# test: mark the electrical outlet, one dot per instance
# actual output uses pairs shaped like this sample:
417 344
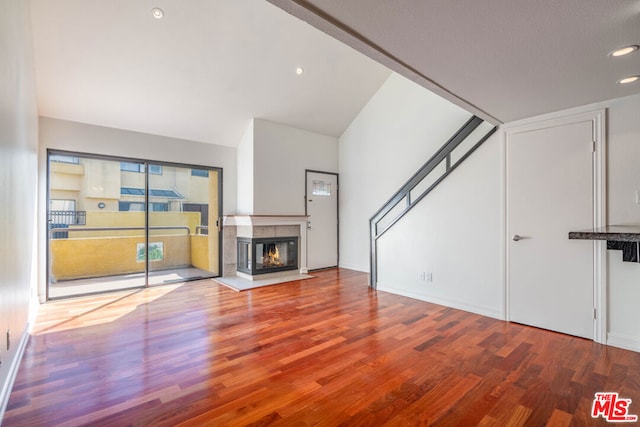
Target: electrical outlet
637 197
426 277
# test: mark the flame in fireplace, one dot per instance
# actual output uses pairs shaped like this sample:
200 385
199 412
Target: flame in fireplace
273 257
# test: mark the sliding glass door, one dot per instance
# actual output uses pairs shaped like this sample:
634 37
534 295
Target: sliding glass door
125 223
182 244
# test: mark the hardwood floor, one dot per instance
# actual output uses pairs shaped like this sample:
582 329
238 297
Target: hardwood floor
323 351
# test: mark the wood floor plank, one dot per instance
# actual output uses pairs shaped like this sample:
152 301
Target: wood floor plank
323 351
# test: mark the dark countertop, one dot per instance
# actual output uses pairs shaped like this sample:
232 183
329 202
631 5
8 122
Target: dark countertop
618 233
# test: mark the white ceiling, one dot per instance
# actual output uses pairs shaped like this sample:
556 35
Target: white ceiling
209 66
201 73
504 59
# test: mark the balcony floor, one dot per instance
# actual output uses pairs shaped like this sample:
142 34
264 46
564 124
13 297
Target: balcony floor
69 288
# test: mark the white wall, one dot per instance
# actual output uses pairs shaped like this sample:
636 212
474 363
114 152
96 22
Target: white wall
18 175
454 235
397 132
245 172
623 175
281 154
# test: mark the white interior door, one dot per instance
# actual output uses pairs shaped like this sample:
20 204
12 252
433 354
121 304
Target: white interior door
550 192
322 229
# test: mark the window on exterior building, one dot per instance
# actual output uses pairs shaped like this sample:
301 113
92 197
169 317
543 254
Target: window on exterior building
131 167
200 172
164 193
139 207
131 206
159 207
139 167
62 205
155 169
61 158
131 191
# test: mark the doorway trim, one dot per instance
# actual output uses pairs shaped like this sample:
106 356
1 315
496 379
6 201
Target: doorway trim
598 119
306 209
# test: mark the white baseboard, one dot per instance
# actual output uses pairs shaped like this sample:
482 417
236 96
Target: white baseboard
626 342
5 392
459 305
356 267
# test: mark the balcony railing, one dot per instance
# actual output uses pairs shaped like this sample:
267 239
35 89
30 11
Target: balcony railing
86 252
68 217
108 230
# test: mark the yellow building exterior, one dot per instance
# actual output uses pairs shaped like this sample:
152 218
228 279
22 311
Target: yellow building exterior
97 217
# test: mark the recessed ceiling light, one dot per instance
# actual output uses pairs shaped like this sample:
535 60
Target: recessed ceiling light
629 79
157 13
299 71
624 51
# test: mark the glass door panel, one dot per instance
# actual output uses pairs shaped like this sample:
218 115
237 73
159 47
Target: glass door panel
183 237
107 216
96 223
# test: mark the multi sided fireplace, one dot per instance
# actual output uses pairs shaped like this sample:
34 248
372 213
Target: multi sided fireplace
267 255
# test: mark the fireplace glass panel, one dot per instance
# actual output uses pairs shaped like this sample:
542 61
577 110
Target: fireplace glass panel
244 255
266 255
275 255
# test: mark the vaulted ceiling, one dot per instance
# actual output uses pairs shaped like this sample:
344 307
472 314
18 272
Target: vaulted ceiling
209 66
504 59
199 73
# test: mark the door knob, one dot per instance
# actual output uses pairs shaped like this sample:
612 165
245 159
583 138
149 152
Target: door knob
516 238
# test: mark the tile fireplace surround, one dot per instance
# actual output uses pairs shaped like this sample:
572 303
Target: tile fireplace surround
262 226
